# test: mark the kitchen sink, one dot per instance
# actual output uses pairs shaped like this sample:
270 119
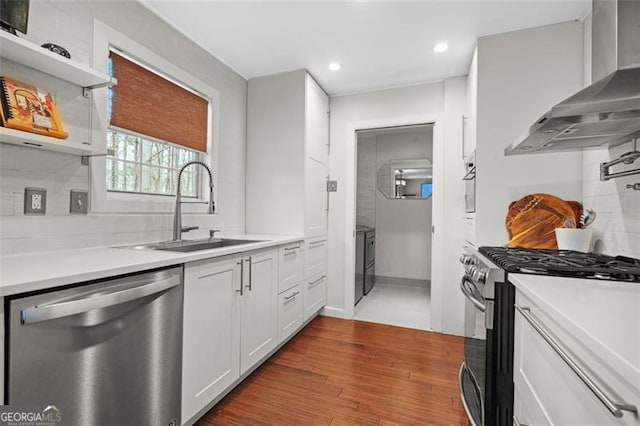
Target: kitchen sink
192 245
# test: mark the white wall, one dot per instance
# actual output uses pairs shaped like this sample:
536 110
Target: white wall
70 24
403 227
617 227
366 187
521 75
409 105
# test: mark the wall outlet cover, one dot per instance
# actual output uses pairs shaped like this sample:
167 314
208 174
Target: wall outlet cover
79 202
35 201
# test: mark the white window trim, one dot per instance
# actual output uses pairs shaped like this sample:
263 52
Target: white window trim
103 201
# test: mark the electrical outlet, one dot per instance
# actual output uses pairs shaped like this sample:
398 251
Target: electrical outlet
79 202
35 201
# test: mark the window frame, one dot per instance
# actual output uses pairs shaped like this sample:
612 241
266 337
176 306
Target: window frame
105 39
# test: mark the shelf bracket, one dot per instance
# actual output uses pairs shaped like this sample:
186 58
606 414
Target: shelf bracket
86 91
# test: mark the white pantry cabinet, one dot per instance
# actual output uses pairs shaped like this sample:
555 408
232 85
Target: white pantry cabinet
259 329
547 391
287 155
211 331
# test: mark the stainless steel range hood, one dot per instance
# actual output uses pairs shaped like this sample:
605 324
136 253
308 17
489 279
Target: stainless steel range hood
607 113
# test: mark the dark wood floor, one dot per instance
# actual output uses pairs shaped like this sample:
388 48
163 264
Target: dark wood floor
338 372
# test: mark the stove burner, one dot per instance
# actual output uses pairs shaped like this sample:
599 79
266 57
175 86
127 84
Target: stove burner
564 263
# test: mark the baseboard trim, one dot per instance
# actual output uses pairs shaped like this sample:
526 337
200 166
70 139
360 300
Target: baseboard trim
329 311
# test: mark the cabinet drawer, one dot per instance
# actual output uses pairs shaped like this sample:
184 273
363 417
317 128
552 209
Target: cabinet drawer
290 308
315 258
290 266
548 390
315 295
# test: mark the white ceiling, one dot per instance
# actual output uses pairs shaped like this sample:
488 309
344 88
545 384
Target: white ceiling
379 44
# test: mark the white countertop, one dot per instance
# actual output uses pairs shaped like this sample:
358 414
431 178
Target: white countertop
605 315
21 273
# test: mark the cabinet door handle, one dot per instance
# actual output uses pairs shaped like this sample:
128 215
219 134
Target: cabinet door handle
241 263
313 283
614 407
327 190
250 274
293 296
290 250
464 125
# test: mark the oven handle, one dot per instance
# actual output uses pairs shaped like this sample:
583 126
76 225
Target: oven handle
614 407
464 369
469 295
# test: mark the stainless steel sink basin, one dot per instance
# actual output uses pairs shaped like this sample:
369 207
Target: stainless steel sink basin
192 245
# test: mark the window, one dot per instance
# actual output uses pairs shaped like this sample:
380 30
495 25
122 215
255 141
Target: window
147 112
137 164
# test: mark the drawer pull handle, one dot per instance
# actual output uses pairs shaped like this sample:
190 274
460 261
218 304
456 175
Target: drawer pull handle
290 249
614 407
312 283
313 243
293 296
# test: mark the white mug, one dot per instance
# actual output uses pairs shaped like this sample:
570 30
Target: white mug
574 239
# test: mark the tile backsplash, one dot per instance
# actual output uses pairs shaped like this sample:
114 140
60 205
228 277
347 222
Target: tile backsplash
617 225
70 24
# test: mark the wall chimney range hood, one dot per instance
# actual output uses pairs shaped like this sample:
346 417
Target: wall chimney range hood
606 113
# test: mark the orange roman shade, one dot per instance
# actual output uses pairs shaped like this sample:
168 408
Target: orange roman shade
151 105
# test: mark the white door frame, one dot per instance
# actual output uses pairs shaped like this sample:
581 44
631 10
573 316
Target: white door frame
437 258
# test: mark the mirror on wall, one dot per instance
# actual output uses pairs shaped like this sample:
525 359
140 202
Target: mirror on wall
406 179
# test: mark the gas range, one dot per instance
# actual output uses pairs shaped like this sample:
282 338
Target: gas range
564 263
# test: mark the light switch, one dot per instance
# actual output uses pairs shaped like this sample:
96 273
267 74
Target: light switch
79 202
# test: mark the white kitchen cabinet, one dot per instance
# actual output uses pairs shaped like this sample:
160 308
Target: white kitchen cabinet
290 266
547 391
314 295
211 331
315 259
259 322
514 78
287 155
316 121
290 307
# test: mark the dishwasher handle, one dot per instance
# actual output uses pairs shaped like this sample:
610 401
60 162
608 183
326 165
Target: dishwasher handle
71 307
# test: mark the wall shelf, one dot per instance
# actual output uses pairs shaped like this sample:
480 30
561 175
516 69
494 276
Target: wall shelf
33 140
34 56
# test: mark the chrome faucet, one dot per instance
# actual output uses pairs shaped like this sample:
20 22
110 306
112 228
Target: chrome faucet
178 229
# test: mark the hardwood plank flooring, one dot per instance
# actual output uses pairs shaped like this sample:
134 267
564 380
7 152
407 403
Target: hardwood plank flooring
338 372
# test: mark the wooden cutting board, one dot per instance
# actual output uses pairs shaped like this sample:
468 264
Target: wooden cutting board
532 220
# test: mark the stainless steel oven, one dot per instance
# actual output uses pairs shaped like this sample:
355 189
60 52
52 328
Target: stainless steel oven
486 374
470 183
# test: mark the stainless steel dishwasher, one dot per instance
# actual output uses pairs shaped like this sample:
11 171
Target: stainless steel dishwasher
104 353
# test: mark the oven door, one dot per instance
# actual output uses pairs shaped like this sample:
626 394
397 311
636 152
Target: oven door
472 376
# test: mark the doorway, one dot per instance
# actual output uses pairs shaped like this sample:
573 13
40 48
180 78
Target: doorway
393 209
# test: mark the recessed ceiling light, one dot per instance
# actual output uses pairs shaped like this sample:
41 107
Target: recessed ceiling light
334 66
440 47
